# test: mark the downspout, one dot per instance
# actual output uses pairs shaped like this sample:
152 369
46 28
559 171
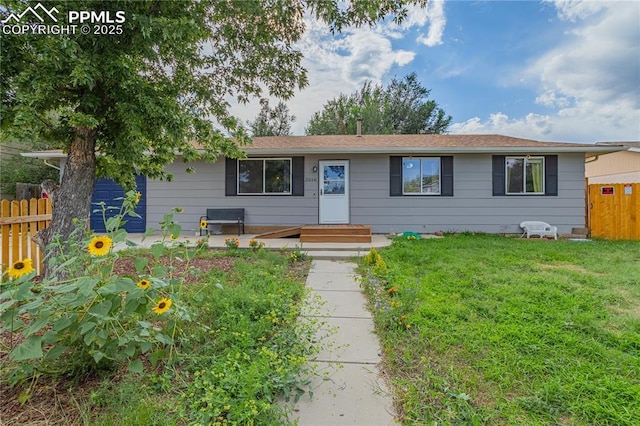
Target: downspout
53 166
592 159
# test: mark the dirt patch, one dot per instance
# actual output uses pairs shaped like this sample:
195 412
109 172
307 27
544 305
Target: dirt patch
628 305
568 267
49 402
186 269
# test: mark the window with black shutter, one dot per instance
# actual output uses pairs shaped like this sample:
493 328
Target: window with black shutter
525 175
421 176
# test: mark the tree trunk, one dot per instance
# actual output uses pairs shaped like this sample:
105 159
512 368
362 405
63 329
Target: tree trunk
72 200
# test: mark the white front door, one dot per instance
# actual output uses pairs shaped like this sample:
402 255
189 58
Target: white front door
334 191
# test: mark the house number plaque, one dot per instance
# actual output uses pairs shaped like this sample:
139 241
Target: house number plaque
606 190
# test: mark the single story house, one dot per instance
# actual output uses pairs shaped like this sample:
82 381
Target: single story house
615 167
392 183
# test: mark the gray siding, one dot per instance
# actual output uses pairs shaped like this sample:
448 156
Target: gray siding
472 208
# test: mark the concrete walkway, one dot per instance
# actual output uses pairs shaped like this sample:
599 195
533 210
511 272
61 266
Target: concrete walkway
348 389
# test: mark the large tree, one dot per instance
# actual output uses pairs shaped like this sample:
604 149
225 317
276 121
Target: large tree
274 121
403 107
130 101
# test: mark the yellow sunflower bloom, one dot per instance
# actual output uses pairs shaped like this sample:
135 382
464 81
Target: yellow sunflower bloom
144 284
203 224
20 268
99 246
138 197
163 306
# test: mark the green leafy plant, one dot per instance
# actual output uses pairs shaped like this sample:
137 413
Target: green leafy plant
232 243
95 317
298 255
374 259
256 245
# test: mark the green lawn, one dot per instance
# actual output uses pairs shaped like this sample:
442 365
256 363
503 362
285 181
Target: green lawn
493 330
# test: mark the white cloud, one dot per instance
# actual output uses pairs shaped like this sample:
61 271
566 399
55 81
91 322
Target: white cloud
437 21
552 99
533 126
592 78
341 64
573 10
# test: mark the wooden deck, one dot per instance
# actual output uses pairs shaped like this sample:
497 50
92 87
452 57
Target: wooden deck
335 234
324 233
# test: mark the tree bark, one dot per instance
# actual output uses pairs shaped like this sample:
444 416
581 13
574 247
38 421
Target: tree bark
72 200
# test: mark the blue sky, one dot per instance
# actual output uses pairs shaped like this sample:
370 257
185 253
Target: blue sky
545 70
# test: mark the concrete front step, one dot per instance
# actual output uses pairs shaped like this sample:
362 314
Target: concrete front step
336 254
334 238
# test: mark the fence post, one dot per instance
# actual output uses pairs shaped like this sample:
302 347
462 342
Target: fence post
4 212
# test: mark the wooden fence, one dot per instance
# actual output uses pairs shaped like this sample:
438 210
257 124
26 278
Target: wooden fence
19 222
614 211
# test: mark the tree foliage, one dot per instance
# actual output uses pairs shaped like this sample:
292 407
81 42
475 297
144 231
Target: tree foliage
129 103
272 121
403 107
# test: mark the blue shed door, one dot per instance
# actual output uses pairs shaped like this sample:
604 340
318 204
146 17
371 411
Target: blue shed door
106 191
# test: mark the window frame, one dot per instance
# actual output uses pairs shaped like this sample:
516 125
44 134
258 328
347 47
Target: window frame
419 194
525 159
264 182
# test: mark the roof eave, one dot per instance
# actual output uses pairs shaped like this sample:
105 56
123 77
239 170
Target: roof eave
595 150
39 155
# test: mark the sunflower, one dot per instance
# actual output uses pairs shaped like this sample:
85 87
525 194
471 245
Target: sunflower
20 268
143 284
138 197
99 246
203 224
163 306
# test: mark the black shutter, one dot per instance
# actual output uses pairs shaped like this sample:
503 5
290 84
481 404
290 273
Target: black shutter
446 188
231 177
395 176
551 175
498 175
297 176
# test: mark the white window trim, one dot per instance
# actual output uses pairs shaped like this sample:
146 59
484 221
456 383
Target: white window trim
525 158
264 170
421 194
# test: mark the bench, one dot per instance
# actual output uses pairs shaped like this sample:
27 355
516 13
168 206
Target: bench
542 229
221 217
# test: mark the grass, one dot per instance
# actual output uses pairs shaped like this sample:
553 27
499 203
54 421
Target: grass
492 330
242 350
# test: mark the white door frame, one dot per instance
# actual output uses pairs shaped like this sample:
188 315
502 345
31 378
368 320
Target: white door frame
333 208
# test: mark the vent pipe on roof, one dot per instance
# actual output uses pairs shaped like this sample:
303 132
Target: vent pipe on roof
359 127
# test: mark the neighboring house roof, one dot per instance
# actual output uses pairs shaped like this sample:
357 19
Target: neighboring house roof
634 146
399 144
